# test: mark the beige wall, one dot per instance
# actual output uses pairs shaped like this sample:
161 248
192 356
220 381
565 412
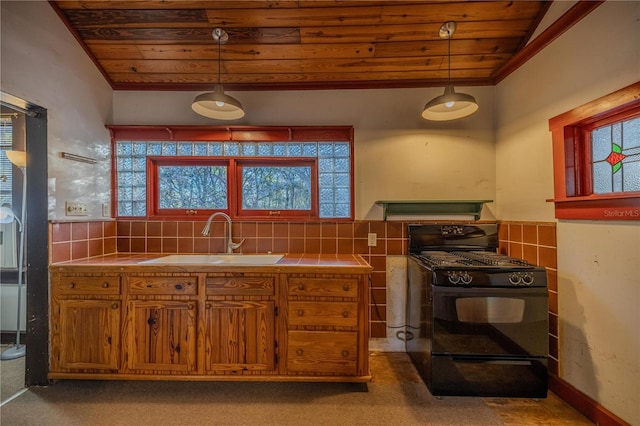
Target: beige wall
42 63
598 261
398 155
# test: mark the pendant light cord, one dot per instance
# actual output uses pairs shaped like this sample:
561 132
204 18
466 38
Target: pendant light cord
219 59
449 55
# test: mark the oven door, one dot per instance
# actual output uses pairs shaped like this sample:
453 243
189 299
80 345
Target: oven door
490 321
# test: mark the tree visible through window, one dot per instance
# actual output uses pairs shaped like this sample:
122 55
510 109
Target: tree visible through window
304 173
192 187
276 188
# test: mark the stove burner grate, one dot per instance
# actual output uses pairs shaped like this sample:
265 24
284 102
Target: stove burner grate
471 259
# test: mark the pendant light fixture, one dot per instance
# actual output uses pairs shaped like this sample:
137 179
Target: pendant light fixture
217 104
450 105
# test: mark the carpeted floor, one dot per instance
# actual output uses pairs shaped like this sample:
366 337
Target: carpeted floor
226 403
11 376
396 396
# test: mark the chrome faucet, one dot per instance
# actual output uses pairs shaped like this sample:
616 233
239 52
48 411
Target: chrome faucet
230 244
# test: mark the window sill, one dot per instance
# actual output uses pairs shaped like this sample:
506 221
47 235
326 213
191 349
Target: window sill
598 207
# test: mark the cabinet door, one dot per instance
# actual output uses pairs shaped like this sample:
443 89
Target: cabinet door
89 334
162 336
239 335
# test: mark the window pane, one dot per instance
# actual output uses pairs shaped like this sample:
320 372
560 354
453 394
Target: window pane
193 187
169 149
215 149
334 173
200 149
6 169
230 148
281 188
616 157
155 148
184 148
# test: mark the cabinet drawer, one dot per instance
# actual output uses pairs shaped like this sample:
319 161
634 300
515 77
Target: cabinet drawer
341 314
87 285
322 352
163 285
245 286
323 287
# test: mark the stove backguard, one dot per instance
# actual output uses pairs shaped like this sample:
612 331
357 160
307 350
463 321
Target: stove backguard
453 237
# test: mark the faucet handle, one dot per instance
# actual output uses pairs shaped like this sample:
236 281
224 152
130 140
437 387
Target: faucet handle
234 246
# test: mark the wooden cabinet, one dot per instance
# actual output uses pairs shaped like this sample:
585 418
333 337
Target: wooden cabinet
327 325
85 323
160 323
239 323
189 322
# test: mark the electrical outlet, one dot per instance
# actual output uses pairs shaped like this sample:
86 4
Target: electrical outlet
75 209
105 210
372 239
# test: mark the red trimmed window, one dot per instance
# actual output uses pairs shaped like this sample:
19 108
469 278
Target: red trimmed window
302 173
596 153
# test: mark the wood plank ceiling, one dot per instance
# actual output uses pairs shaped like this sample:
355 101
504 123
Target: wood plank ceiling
280 44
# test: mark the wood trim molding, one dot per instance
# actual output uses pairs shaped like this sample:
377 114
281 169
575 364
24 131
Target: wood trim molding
555 30
570 202
584 404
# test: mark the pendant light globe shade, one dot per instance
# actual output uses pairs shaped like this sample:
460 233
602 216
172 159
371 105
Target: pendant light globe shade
450 106
217 105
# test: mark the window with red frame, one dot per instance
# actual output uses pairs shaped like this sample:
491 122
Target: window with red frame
597 158
247 172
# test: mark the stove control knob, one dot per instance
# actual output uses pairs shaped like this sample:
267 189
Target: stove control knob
466 278
515 278
527 278
453 277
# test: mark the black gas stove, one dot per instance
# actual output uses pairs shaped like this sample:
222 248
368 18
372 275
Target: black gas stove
477 319
466 255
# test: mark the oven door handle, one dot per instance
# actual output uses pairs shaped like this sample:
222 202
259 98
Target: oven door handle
497 361
488 291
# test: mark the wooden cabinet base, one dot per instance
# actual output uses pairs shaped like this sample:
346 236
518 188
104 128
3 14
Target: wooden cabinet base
209 378
192 325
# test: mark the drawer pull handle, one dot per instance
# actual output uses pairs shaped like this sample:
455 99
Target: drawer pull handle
190 306
345 314
345 287
178 286
72 285
114 306
299 352
345 353
300 287
300 312
105 284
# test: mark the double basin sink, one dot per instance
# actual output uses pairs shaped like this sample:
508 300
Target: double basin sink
216 259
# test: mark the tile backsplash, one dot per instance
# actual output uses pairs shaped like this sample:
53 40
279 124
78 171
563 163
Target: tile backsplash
80 240
535 242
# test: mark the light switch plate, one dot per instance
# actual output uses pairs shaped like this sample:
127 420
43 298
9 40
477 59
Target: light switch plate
75 209
372 239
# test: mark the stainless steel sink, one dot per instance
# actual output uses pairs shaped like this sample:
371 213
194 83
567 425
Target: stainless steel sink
217 259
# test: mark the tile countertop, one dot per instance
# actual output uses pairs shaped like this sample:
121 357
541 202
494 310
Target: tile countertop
291 263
